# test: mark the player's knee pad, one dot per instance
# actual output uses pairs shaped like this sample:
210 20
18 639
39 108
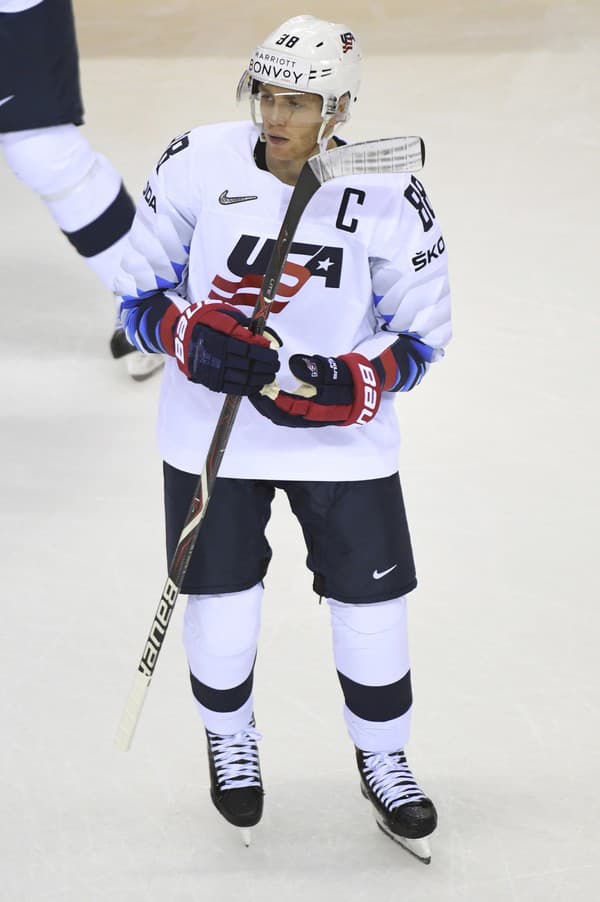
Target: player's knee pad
370 641
374 618
76 183
220 635
49 160
223 625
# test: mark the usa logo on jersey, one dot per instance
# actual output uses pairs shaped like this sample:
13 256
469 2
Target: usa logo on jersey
247 264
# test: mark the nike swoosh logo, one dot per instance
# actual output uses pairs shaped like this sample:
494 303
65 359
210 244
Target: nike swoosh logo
225 199
378 575
6 99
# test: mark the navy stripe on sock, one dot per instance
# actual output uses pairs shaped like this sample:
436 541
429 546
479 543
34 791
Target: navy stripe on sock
222 700
377 703
106 230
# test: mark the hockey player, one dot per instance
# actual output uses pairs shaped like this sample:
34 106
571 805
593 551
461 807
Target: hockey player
40 107
361 313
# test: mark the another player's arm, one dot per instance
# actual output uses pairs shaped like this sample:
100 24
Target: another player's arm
151 280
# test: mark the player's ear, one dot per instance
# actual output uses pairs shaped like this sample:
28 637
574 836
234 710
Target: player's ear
341 113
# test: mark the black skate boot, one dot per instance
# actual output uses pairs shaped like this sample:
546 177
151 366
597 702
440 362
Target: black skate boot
402 810
235 780
119 345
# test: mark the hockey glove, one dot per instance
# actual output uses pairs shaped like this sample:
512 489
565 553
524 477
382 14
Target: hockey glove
334 391
214 347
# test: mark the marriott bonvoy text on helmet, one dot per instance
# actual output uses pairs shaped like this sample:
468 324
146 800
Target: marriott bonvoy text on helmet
281 70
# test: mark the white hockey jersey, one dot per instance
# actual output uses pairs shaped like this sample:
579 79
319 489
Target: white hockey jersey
368 261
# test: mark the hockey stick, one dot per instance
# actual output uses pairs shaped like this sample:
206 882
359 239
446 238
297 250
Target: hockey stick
384 155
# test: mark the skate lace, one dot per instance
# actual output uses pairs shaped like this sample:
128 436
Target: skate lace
236 758
390 777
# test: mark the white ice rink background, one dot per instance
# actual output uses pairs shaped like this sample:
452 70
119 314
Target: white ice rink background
500 473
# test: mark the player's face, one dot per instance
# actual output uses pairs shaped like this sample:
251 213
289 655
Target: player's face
291 122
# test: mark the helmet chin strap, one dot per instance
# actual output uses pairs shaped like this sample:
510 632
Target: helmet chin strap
338 118
321 140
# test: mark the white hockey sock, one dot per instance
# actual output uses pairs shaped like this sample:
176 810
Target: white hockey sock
370 646
81 189
220 635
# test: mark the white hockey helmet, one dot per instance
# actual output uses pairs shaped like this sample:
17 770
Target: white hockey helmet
308 55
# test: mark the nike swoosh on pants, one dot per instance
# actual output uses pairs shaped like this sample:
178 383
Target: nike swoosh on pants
378 575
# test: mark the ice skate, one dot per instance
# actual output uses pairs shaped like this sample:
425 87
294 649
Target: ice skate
235 781
142 366
139 366
119 345
402 811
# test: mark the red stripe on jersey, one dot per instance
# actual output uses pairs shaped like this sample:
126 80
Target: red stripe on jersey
224 285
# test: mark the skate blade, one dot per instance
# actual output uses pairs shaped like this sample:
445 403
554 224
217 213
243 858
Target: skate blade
246 835
418 848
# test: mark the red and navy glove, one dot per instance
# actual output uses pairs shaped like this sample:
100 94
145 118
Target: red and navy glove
335 391
213 346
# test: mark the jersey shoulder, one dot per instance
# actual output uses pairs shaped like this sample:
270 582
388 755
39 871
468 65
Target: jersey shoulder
197 154
223 137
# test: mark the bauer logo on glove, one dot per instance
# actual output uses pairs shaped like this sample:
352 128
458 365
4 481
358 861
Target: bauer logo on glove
333 391
214 347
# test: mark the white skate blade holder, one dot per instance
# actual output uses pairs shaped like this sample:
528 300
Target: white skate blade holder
420 848
141 366
246 836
